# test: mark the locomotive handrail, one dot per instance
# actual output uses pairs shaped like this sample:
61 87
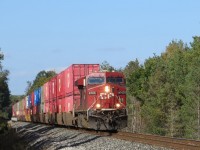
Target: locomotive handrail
90 108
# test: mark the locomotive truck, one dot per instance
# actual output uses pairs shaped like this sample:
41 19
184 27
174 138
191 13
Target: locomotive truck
80 96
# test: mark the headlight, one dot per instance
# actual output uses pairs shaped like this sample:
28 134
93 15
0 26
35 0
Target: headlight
107 89
118 105
98 106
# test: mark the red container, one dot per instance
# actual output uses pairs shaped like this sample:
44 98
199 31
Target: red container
75 72
60 91
36 109
46 97
60 105
60 85
53 88
68 103
53 95
46 107
46 91
42 104
71 93
24 106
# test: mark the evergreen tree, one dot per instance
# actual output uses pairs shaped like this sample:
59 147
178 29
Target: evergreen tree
190 112
107 67
4 89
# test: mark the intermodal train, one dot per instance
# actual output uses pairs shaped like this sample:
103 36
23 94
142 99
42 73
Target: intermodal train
80 96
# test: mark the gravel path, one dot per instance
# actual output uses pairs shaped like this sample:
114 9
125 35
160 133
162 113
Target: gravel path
42 137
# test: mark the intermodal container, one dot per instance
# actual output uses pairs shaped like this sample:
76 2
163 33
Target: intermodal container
26 100
29 101
46 97
60 85
71 92
60 91
42 100
24 105
37 96
73 73
53 88
42 94
17 112
20 107
32 99
53 95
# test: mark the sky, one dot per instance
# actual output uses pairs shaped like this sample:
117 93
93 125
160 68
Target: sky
38 35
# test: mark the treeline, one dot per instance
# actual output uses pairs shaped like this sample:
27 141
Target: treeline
41 78
164 92
5 104
4 91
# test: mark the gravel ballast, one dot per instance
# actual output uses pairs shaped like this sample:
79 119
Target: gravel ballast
43 137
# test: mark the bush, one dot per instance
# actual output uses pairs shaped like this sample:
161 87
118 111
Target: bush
9 138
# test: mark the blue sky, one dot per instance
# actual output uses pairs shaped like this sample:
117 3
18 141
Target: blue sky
40 35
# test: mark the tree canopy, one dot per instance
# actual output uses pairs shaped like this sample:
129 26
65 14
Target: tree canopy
41 78
168 87
4 89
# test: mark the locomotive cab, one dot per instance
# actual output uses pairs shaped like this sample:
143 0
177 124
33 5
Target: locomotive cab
103 95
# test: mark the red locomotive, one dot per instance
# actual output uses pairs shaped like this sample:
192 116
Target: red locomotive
80 96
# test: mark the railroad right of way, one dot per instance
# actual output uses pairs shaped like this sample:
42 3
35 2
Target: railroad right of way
45 137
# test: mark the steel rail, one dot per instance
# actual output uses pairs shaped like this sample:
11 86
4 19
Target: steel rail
175 143
155 140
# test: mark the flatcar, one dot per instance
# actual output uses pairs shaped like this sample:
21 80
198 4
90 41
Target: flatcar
80 96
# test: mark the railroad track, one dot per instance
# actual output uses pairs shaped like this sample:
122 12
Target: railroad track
174 143
156 140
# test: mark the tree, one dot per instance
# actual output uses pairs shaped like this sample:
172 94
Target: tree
28 88
134 73
106 66
15 98
4 89
190 112
159 86
41 78
131 67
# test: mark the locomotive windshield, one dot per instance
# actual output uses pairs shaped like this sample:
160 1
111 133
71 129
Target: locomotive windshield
96 80
115 80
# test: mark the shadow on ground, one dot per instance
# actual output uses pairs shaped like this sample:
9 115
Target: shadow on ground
40 137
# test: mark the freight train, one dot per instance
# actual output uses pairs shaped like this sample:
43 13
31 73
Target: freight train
80 96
